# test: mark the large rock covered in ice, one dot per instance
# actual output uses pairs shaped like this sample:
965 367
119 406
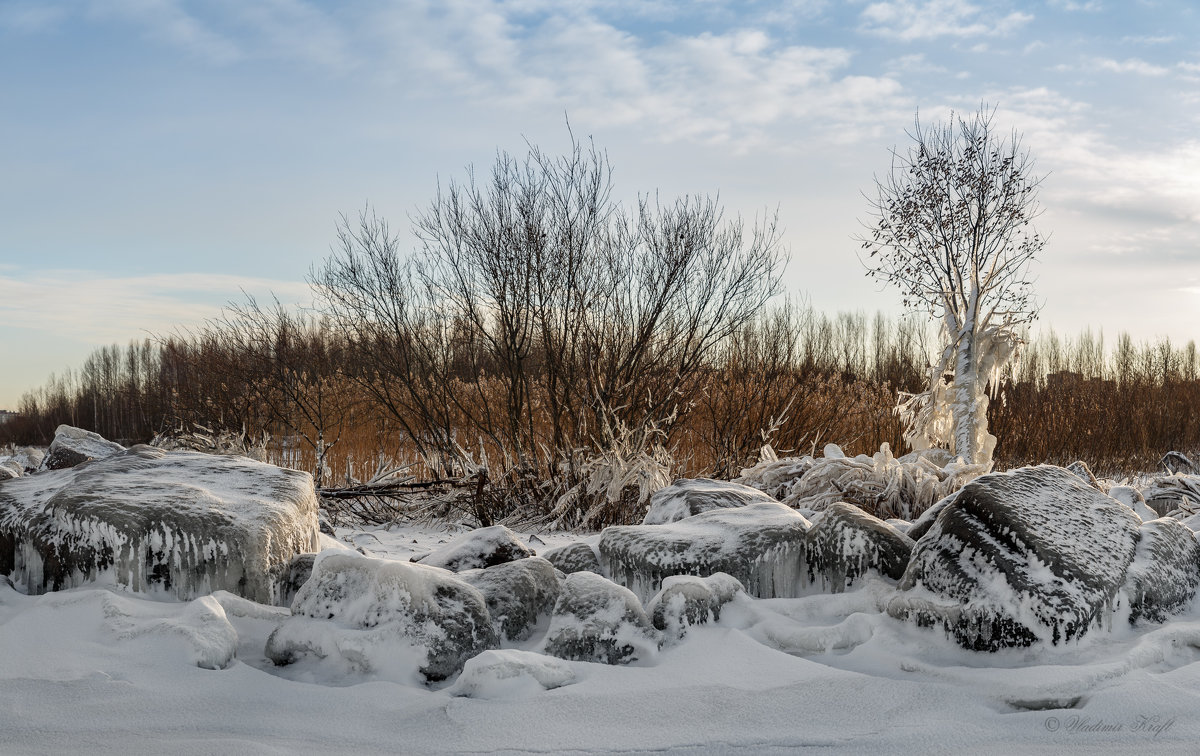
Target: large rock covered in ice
10 468
147 520
596 620
1165 572
382 617
846 543
518 594
687 497
74 446
476 549
1034 554
687 600
574 557
760 544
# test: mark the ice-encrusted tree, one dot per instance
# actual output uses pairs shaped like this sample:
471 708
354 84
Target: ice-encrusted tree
951 227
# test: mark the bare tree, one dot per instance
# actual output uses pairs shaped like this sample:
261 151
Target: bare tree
951 228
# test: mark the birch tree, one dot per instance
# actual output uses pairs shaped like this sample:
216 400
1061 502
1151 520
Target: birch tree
951 226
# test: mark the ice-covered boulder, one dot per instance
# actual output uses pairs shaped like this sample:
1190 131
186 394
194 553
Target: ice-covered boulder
1165 571
147 520
596 620
574 557
760 544
1132 498
292 577
687 600
509 673
1080 468
74 446
10 468
1015 558
687 497
846 543
385 618
475 549
30 458
518 594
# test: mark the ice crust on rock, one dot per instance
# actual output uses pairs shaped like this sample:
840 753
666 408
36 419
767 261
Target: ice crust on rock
1031 555
687 497
391 619
10 468
760 544
846 543
1165 571
596 620
1167 493
574 557
73 446
292 577
146 520
510 673
687 600
518 594
476 549
1132 498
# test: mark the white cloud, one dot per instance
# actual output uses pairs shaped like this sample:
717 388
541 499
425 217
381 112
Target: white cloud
911 20
1129 65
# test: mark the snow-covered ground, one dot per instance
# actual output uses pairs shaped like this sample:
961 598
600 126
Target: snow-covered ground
90 670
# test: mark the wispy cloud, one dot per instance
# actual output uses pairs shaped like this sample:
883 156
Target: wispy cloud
1129 65
911 20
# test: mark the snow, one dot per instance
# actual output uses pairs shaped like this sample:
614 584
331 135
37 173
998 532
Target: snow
686 497
184 523
476 549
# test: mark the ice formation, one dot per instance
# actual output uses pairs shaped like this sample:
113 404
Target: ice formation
760 544
687 600
518 594
846 543
181 522
1165 571
574 557
390 619
1020 557
72 446
1168 493
687 496
597 620
482 547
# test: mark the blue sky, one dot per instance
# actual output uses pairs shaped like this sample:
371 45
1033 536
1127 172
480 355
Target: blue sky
160 156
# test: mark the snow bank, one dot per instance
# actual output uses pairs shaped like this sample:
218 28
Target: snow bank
180 522
760 544
392 620
1031 555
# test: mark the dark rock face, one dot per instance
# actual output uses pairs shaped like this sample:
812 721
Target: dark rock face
596 620
74 446
518 594
1165 572
687 497
760 544
1032 555
480 548
845 543
293 577
147 520
686 600
377 614
575 557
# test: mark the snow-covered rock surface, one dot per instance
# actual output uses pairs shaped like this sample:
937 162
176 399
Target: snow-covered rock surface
846 543
692 496
518 594
383 618
30 458
1132 498
510 673
760 544
1168 493
292 577
574 557
687 600
146 520
477 549
10 468
73 446
596 620
1015 558
1165 571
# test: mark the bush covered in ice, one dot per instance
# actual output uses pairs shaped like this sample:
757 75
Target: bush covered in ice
1034 554
74 446
880 485
692 496
596 620
147 520
386 618
482 547
1166 494
760 544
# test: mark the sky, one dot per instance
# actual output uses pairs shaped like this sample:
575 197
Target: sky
158 158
